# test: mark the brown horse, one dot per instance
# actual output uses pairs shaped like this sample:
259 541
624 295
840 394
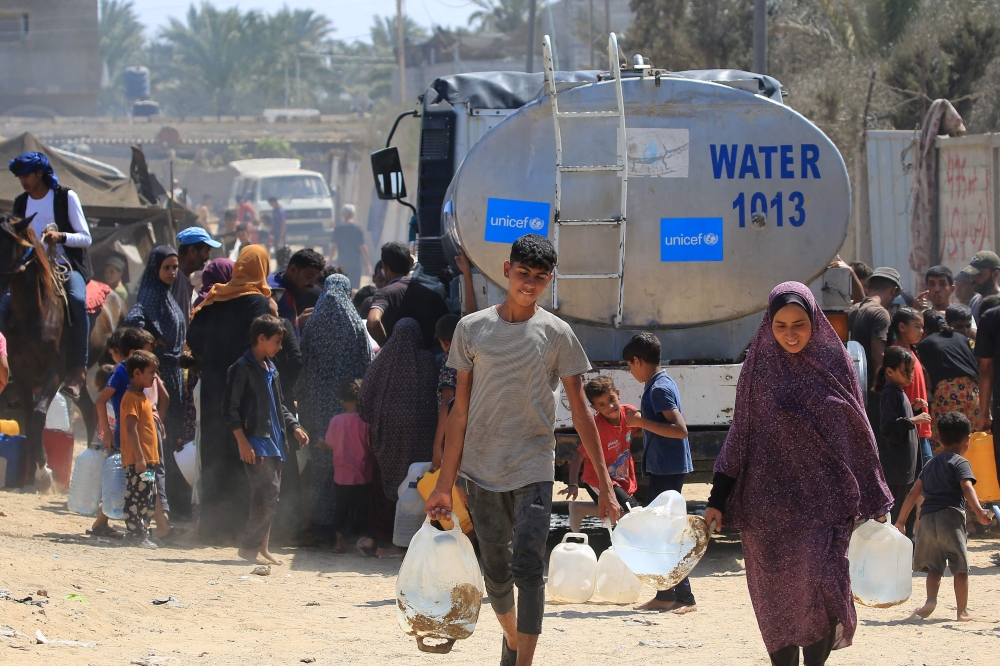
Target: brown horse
34 333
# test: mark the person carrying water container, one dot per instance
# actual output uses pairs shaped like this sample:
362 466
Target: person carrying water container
507 357
798 468
58 206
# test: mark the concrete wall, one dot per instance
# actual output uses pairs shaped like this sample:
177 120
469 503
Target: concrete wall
53 67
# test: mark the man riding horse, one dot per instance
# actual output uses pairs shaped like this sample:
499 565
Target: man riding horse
60 223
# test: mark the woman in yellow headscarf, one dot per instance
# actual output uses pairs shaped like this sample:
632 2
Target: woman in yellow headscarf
218 335
249 277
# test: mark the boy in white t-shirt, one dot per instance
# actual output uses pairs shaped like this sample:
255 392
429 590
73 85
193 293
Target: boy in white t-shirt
511 360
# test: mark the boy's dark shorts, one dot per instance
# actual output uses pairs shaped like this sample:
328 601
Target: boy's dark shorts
941 539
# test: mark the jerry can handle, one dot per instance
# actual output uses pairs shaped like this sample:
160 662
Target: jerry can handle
576 535
454 522
443 648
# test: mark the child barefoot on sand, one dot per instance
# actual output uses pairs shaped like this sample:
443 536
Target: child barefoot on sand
946 484
259 420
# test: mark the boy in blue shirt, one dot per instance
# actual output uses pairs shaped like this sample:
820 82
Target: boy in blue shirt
666 456
259 420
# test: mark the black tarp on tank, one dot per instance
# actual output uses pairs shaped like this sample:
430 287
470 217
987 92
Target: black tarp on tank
498 90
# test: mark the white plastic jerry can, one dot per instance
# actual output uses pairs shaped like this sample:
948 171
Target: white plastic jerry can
616 584
660 543
439 589
409 506
881 565
572 570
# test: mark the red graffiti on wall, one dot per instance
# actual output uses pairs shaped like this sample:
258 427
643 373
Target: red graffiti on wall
966 211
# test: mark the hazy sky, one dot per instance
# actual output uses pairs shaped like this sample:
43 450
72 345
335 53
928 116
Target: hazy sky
351 18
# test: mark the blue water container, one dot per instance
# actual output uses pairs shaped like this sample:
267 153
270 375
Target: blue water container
14 449
113 488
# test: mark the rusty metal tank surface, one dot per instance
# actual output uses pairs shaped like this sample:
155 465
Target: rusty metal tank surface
729 193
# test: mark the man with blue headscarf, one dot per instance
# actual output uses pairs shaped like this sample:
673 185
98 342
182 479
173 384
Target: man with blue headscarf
59 222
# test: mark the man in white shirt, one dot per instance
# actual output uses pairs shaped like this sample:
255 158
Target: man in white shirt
59 222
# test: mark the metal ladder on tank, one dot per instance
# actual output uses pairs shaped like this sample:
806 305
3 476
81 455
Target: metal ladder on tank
620 168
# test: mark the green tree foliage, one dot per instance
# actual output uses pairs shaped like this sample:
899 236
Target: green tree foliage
949 68
288 45
693 34
213 55
383 33
500 15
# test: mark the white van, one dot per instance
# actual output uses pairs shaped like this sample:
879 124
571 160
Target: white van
303 194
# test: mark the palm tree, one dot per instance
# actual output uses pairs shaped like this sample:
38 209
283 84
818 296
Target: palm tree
500 15
214 52
292 38
383 32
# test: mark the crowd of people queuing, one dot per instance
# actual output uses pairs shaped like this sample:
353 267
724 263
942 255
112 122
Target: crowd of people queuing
308 396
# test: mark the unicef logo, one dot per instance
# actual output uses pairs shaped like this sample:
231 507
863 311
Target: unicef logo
711 239
536 223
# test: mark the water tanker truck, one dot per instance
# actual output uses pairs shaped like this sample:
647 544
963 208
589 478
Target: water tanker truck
676 202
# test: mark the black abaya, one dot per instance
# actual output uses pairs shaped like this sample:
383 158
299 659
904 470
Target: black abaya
218 335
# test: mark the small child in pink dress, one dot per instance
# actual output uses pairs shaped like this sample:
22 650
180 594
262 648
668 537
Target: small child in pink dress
353 462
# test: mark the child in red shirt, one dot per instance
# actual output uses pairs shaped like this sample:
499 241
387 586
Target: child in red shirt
616 442
906 330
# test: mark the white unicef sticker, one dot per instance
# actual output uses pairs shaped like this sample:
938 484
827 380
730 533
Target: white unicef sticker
711 239
536 223
657 152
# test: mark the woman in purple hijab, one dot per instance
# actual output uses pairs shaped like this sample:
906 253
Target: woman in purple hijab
798 468
218 271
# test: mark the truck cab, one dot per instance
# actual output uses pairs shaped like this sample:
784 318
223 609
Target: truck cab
303 194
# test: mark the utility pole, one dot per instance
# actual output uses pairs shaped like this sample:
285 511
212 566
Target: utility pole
760 36
529 66
401 55
298 82
590 34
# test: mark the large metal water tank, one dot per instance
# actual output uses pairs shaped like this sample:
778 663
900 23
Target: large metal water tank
729 194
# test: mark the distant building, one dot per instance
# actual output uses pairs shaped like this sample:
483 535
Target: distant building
567 21
50 55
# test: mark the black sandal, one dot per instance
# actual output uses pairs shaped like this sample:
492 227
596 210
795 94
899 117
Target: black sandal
508 657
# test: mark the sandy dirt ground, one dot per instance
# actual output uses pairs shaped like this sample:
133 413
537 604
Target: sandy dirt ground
324 608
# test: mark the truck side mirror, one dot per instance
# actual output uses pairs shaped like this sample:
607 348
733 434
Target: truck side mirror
388 174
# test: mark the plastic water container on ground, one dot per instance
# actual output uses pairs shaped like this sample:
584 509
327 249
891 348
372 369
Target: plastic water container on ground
439 589
409 507
881 561
113 481
59 452
660 543
14 450
85 489
616 584
57 417
426 485
572 570
984 466
187 462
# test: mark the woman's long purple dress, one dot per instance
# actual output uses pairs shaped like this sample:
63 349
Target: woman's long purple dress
806 466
